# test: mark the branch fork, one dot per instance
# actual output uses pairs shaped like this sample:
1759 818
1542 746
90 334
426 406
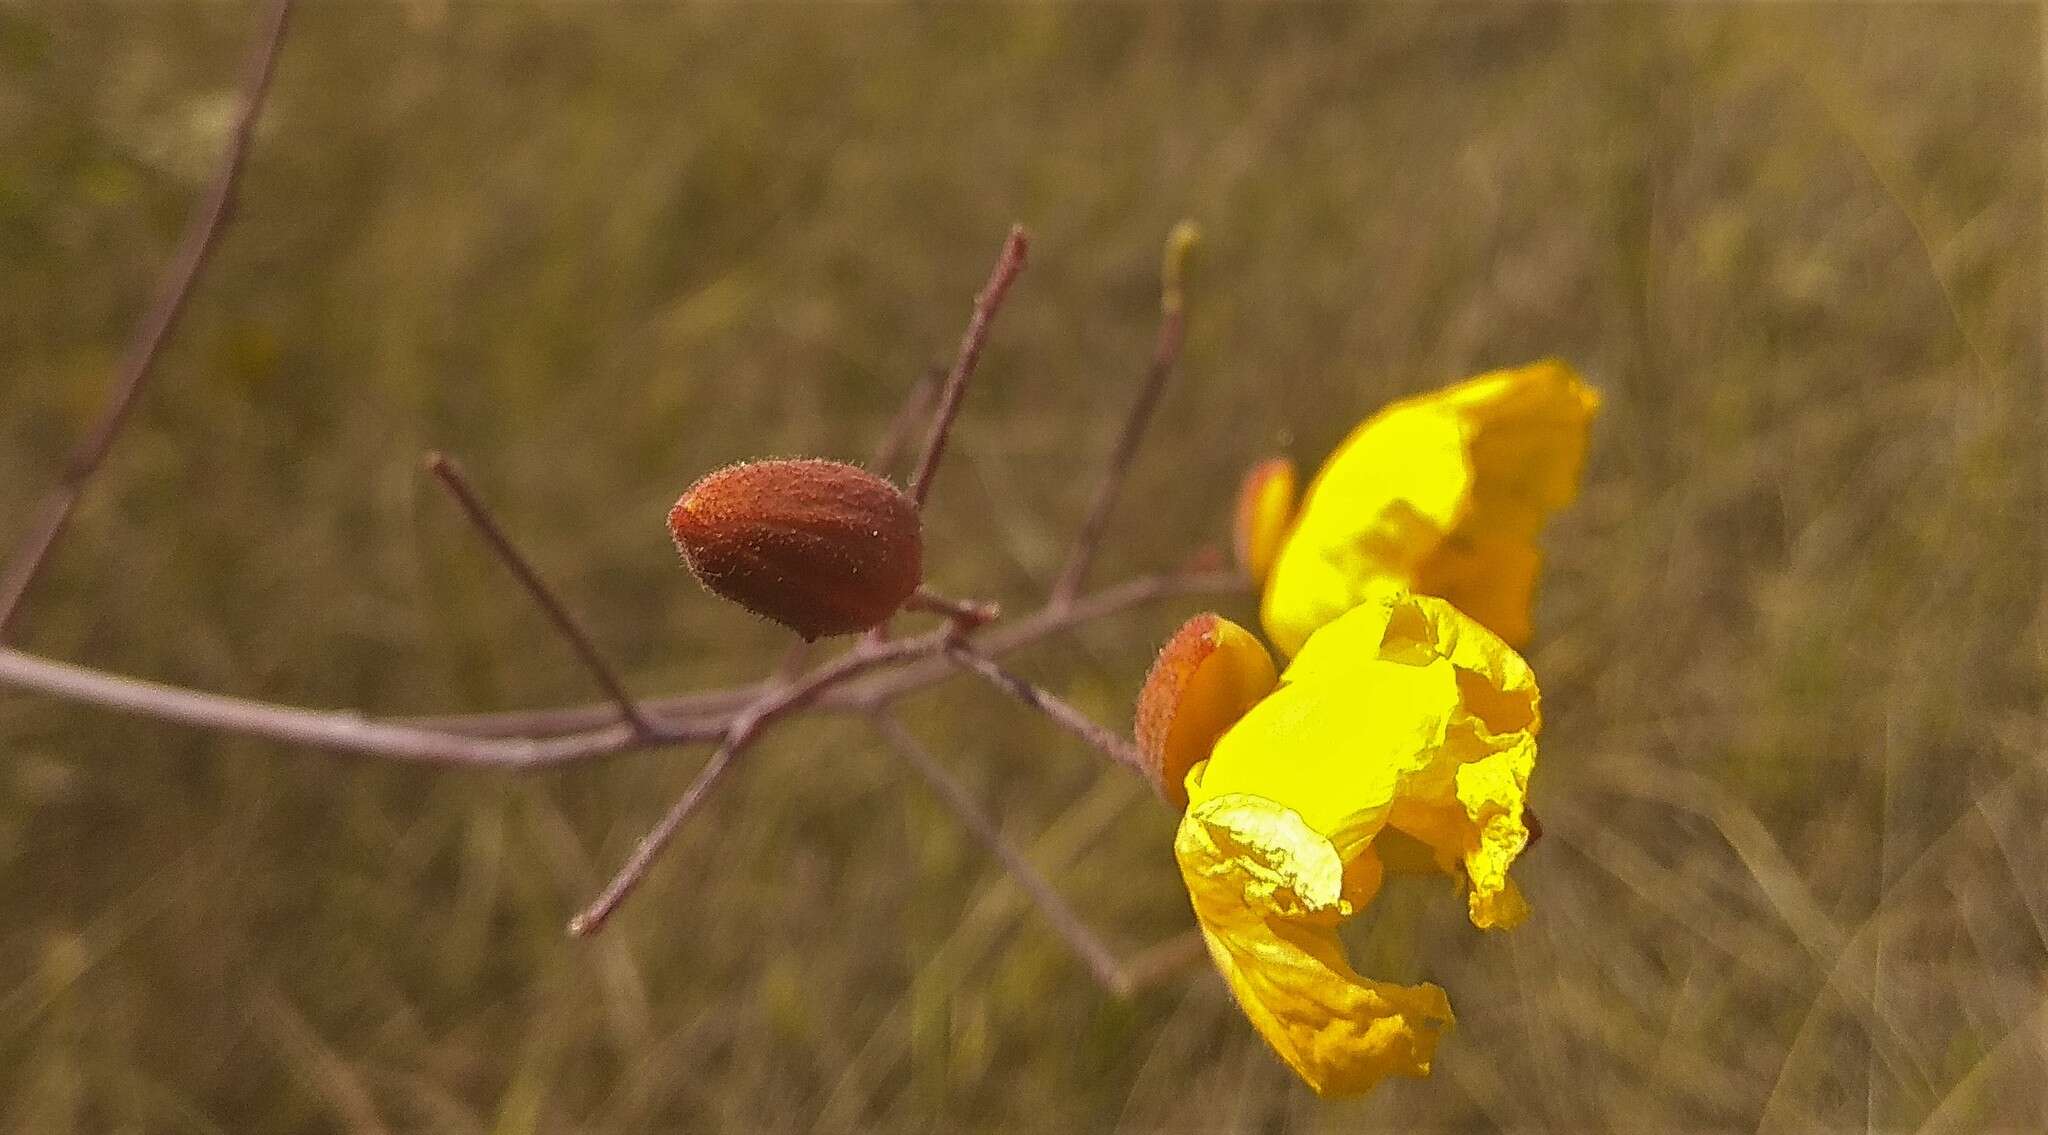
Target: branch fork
866 679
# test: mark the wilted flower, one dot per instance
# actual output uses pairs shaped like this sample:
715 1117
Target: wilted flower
1400 738
1444 493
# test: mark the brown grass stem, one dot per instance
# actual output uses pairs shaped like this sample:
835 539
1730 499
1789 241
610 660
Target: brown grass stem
1100 960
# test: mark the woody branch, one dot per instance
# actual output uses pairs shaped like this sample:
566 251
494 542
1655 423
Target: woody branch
963 618
866 679
202 234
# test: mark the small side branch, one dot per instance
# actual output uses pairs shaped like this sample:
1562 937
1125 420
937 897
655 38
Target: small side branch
630 875
776 699
1165 354
195 248
718 705
986 304
450 475
1101 962
890 449
1051 705
965 614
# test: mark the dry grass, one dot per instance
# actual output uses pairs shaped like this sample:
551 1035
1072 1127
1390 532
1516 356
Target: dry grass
1797 873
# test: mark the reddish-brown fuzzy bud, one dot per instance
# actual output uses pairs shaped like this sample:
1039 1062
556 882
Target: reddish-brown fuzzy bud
822 547
1209 674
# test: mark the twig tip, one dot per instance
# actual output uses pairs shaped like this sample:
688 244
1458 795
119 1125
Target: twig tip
1180 243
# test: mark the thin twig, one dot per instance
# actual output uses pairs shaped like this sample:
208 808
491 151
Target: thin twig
651 845
1062 714
776 699
887 451
715 705
209 216
965 614
986 304
350 732
792 662
539 739
890 449
450 475
735 717
1100 961
1165 353
783 691
341 732
1014 634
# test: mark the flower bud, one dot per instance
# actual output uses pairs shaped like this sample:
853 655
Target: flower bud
1206 677
822 547
1265 509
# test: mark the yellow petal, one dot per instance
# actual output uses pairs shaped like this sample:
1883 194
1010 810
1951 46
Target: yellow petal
1487 575
1265 507
1401 712
1206 676
1493 791
1444 493
1269 893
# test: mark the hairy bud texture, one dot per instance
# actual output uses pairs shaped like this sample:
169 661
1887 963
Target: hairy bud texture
822 547
1209 674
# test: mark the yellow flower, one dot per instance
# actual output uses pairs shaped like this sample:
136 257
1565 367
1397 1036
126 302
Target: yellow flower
1445 494
1401 737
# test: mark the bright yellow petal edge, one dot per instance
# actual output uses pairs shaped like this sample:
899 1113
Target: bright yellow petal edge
1267 890
1444 493
1403 722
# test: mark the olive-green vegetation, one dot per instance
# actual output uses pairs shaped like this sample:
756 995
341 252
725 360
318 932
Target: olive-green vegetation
1789 638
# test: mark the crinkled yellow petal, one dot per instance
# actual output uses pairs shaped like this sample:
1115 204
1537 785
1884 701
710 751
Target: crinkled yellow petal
1403 712
1493 792
1444 493
1265 508
1370 519
1269 893
1206 676
1489 576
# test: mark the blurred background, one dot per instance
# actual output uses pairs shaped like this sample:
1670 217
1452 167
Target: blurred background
1795 874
